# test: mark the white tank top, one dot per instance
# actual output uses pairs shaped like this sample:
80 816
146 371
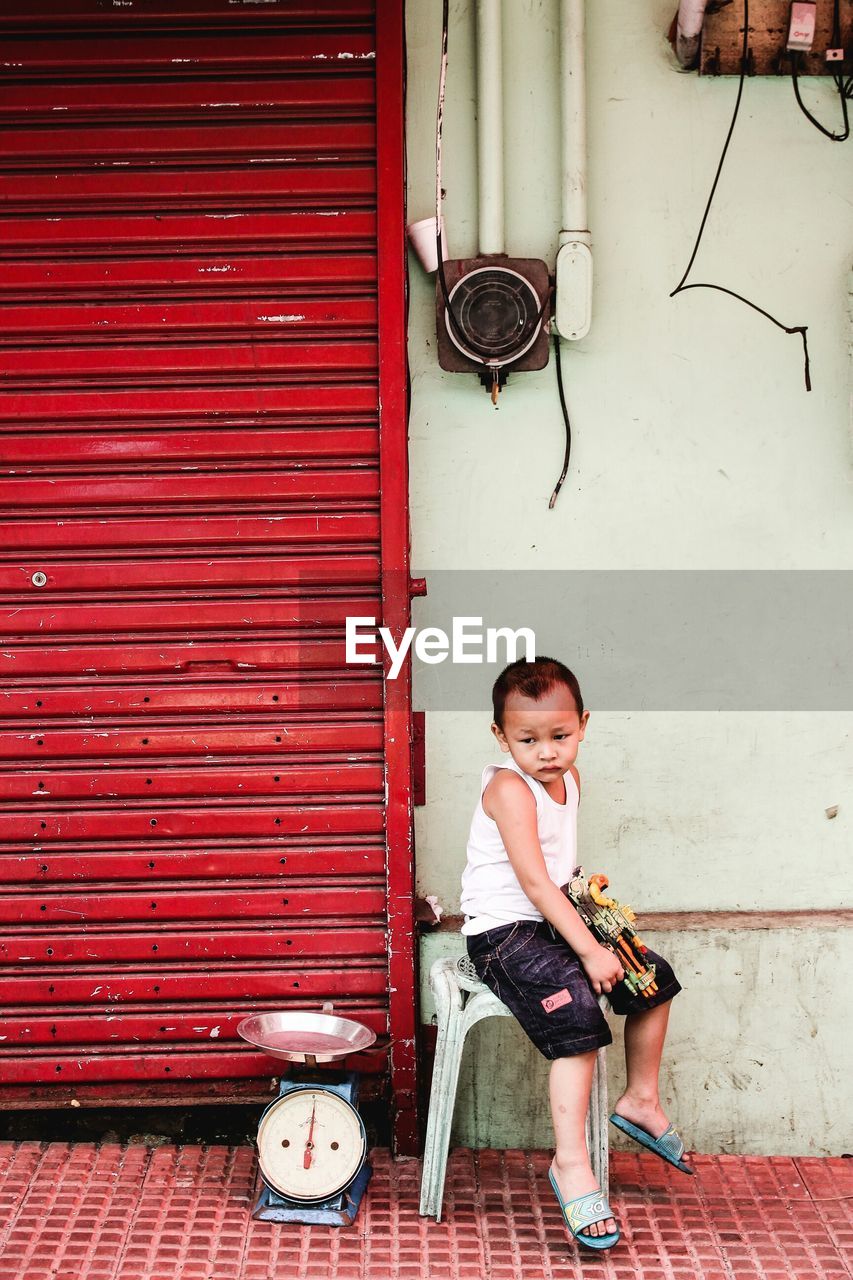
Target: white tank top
491 893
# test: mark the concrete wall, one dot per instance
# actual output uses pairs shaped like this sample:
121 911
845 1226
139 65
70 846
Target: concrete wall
695 447
755 1062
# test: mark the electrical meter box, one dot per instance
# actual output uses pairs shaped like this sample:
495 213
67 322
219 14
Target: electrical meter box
501 308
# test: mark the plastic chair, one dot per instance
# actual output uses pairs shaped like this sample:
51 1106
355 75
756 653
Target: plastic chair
462 1000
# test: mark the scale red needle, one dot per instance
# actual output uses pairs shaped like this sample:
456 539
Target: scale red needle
306 1162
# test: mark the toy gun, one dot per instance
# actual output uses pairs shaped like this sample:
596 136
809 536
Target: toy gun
610 923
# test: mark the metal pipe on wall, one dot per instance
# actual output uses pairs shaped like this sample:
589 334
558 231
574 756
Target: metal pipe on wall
490 139
573 309
573 120
688 32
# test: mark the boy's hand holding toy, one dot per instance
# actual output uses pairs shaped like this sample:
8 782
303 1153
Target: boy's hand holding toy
603 968
610 923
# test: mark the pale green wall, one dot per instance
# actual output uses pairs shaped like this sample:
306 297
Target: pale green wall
695 447
756 1065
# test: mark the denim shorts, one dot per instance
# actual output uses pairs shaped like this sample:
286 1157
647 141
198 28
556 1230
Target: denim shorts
541 980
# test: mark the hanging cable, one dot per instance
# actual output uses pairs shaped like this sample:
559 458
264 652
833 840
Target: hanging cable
681 287
837 79
563 473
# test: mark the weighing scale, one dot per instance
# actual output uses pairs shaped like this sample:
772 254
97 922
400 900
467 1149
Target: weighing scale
312 1144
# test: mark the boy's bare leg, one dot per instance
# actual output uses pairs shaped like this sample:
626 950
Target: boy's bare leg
640 1103
569 1087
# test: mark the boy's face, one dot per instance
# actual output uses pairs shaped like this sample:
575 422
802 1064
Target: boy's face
542 736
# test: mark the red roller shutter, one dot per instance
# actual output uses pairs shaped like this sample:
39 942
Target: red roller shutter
198 319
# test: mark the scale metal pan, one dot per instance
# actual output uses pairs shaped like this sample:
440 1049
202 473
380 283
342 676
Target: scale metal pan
305 1037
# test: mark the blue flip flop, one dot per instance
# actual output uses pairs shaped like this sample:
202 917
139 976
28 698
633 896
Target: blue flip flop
582 1212
668 1146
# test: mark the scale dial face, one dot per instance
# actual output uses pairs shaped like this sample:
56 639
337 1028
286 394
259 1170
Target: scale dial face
311 1144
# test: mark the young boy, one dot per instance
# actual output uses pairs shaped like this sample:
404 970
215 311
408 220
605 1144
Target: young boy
530 946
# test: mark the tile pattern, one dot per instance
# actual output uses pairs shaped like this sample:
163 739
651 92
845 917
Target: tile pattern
110 1212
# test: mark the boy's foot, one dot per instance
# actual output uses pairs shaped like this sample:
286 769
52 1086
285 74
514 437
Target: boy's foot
647 1124
578 1180
645 1115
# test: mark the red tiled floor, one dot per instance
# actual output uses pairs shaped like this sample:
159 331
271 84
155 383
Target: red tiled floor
182 1213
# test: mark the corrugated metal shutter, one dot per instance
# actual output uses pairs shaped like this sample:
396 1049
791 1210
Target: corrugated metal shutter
191 780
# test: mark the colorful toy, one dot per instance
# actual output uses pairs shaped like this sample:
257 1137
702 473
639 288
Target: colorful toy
611 922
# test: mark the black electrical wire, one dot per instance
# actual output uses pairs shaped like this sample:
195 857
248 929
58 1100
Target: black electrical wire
565 410
833 137
837 79
796 56
836 24
681 287
845 89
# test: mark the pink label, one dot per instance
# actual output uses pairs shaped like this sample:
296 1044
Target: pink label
556 1001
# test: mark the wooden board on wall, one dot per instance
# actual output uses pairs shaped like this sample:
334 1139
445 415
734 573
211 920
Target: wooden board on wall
722 39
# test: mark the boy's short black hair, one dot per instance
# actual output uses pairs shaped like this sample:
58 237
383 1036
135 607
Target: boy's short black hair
533 680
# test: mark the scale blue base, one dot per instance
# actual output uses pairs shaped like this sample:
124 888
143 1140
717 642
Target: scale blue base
339 1212
341 1209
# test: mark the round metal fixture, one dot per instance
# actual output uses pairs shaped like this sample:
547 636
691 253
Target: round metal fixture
498 311
39 579
305 1037
312 1144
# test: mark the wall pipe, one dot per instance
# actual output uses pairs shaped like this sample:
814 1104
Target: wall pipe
490 140
688 31
573 308
573 117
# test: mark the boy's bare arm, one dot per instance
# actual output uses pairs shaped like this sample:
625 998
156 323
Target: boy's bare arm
509 802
